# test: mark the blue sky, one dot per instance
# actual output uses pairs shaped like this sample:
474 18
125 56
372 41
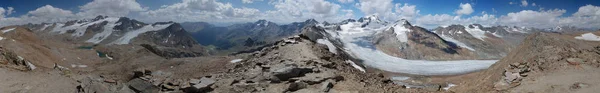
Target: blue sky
427 13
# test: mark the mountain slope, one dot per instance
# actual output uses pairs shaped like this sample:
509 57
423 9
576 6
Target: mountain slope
550 59
104 30
411 42
487 42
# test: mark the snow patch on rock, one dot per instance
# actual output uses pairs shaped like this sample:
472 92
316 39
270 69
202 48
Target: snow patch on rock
236 60
476 32
401 32
106 31
588 37
449 39
355 66
8 30
450 85
330 45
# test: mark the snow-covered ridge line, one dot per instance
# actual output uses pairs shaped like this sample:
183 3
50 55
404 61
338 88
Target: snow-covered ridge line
132 34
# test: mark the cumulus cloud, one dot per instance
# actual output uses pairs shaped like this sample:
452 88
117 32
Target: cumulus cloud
533 4
45 13
465 9
524 3
432 21
380 7
532 18
406 11
587 16
249 1
200 10
116 8
299 10
346 1
588 10
6 12
2 10
387 10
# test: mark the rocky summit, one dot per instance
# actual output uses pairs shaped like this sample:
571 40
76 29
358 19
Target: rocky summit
298 46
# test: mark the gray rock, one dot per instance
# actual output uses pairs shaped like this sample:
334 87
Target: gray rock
325 86
142 86
288 71
511 77
203 86
501 85
245 86
297 86
314 78
194 81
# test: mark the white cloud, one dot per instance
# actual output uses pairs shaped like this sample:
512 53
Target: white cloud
465 9
116 8
587 16
533 4
2 10
349 13
6 12
432 21
510 3
406 11
249 1
346 1
532 18
524 3
588 10
45 13
299 10
49 12
381 7
200 10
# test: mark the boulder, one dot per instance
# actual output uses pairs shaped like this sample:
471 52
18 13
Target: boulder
203 86
245 86
314 78
325 86
288 71
297 86
30 66
141 86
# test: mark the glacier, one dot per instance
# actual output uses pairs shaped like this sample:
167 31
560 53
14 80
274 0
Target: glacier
357 45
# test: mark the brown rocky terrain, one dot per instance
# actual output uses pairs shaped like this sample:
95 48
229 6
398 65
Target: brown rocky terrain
544 62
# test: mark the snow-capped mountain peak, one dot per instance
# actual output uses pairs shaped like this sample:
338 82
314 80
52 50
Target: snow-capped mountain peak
371 18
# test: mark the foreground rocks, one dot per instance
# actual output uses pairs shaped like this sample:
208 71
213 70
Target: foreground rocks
512 76
10 59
